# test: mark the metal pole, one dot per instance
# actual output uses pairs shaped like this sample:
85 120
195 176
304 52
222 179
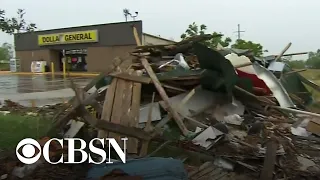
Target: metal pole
52 70
238 31
64 63
297 111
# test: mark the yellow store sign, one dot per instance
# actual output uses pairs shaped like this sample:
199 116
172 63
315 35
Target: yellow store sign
68 38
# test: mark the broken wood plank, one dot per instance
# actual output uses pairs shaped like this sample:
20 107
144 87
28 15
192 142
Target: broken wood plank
93 82
194 77
269 161
173 88
296 111
186 99
128 77
259 98
117 107
126 119
124 130
65 119
164 96
107 106
135 109
136 36
112 127
58 123
197 123
159 125
283 51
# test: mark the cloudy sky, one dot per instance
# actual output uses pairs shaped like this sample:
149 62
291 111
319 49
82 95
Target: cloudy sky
273 23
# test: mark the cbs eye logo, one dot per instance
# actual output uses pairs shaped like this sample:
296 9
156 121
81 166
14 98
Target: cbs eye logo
28 150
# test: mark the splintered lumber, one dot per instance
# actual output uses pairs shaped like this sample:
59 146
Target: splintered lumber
107 106
108 126
283 51
136 36
259 98
125 118
297 111
173 88
65 119
134 78
58 123
121 106
269 161
135 110
117 110
164 96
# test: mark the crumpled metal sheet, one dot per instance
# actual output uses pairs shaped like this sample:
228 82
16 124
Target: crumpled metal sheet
274 85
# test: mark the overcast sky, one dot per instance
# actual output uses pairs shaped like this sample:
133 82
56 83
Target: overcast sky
273 23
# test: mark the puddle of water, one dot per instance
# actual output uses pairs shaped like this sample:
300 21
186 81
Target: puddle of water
14 85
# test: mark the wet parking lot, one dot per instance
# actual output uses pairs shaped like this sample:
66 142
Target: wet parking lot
43 89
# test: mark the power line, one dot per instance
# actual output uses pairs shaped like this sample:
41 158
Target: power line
239 32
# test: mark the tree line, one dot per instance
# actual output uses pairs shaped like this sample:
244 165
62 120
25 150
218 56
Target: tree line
313 61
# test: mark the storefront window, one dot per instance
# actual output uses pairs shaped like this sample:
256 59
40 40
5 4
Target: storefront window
76 59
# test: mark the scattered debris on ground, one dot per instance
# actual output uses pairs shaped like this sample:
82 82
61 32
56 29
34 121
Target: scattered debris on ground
14 108
192 112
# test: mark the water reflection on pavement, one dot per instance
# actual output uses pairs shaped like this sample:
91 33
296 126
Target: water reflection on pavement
16 86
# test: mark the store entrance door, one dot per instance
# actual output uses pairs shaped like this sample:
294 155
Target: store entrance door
76 60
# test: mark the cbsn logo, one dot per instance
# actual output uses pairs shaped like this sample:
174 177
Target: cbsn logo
28 150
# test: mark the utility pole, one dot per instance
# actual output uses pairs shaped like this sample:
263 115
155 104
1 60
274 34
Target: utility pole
239 32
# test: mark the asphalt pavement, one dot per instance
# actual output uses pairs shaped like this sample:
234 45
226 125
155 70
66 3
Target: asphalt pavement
43 89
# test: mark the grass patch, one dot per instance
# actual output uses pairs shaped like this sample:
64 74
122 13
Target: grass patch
14 128
314 76
311 74
315 94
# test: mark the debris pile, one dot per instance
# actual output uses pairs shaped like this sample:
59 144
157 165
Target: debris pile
220 114
9 106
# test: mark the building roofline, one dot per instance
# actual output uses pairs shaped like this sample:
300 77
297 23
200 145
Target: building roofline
159 37
92 25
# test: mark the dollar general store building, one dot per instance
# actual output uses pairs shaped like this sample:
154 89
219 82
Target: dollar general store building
85 48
